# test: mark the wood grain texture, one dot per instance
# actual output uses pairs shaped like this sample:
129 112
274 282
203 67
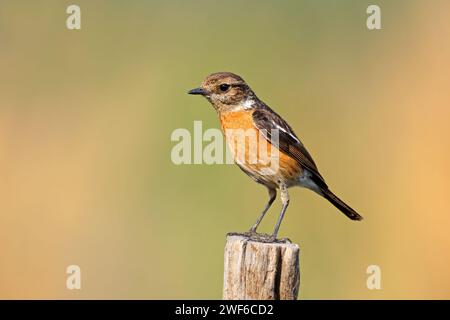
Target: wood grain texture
260 270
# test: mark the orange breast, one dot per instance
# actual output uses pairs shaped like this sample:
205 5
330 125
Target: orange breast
252 152
237 120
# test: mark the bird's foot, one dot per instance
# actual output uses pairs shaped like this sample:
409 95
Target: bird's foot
260 237
283 240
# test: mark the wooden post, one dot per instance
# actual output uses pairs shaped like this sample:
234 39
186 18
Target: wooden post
257 268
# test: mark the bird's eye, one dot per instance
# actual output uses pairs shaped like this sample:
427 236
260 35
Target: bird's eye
224 87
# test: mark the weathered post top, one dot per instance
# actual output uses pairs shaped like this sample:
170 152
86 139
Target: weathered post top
256 268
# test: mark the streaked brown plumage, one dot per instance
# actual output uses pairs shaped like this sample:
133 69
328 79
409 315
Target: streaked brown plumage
239 108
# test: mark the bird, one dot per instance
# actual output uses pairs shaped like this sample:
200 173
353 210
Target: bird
239 108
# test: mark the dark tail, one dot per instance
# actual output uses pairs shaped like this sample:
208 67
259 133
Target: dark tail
338 203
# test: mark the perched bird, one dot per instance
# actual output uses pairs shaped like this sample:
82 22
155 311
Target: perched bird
238 107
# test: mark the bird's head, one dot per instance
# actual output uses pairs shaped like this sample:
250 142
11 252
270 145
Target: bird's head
226 91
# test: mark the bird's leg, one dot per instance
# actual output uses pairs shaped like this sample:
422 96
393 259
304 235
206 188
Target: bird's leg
285 201
272 196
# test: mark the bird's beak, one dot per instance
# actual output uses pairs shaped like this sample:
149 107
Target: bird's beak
198 91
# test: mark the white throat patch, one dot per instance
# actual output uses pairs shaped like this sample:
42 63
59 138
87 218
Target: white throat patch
248 104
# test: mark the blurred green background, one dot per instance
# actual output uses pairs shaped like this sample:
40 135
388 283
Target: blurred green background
85 124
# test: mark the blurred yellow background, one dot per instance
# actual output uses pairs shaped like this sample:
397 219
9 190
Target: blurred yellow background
85 124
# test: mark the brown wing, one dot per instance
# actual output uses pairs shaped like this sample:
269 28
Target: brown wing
266 120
